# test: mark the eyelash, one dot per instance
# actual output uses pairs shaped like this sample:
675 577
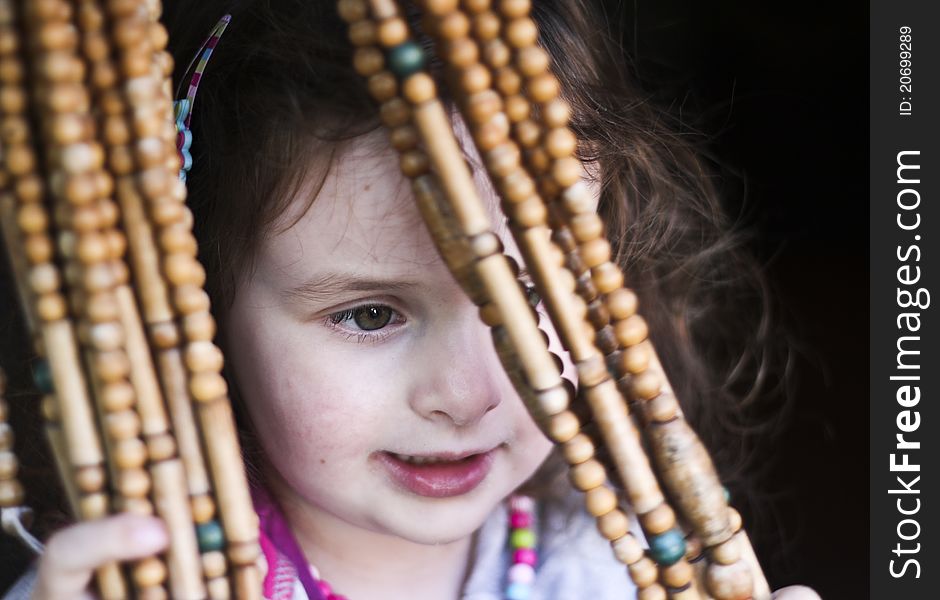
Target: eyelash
334 320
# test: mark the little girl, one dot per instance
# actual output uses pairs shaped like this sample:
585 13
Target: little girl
383 438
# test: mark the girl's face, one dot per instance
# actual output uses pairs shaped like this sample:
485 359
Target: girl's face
374 387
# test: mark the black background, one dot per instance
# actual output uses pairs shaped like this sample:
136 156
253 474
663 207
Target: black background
781 90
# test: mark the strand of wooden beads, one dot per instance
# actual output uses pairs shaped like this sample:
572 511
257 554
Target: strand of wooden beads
11 490
77 450
155 154
405 60
87 217
490 127
689 476
166 470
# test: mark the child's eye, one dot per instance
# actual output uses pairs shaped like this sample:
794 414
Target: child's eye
369 322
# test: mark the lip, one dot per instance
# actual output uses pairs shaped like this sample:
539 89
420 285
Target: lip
456 473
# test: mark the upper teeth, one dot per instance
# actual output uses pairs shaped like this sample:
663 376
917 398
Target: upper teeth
417 460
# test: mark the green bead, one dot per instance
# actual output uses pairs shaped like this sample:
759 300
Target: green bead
406 59
42 377
210 536
522 538
667 548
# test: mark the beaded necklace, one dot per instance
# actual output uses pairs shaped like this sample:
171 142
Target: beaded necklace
276 537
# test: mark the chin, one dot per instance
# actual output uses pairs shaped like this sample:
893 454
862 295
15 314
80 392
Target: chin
441 521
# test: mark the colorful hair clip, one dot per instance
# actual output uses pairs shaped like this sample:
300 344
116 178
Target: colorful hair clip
182 109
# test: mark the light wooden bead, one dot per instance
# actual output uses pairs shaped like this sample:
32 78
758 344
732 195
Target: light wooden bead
600 501
567 172
89 479
133 483
663 408
29 188
183 269
563 426
726 553
647 385
554 400
517 108
44 278
206 387
607 277
130 453
242 553
419 88
490 315
643 572
156 592
11 493
218 589
517 186
51 307
729 582
161 446
440 7
588 475
383 86
527 133
213 564
486 26
513 9
122 424
352 10
190 299
454 26
532 61
587 226
149 572
556 113
112 366
659 520
677 575
496 54
203 356
106 336
508 82
503 159
368 60
12 100
414 163
653 592
93 505
475 78
622 304
392 32
630 331
362 33
485 244
136 505
404 138
592 370
530 213
8 465
627 549
199 326
461 53
613 525
395 112
203 508
578 449
544 88
32 218
482 106
38 248
521 32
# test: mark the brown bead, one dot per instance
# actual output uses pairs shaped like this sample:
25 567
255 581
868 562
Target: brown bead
496 54
362 33
123 424
161 446
486 26
206 387
563 426
243 553
601 501
395 112
554 400
527 133
726 553
461 53
578 449
93 505
517 108
89 479
440 7
560 143
133 483
218 589
392 32
213 564
190 299
199 326
607 277
613 525
202 356
513 9
368 60
653 592
630 331
556 113
44 278
521 32
414 163
659 520
404 138
112 366
383 86
106 336
508 82
567 171
592 371
156 592
483 106
11 493
183 269
51 307
130 453
543 88
627 549
474 78
20 159
8 464
588 475
419 88
352 10
677 575
729 582
622 304
663 408
503 159
38 248
643 572
646 385
149 572
203 508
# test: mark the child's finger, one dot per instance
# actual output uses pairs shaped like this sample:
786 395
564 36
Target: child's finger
72 555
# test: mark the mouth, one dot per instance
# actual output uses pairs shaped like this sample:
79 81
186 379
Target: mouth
442 475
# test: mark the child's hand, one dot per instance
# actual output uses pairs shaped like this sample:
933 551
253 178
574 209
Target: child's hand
73 554
795 592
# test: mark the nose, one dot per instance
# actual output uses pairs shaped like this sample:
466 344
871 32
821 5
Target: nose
460 378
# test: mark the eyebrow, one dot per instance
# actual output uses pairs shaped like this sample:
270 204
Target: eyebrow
325 287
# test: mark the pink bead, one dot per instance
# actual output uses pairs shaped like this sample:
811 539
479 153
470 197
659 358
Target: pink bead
336 597
324 588
525 555
521 573
518 520
522 504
